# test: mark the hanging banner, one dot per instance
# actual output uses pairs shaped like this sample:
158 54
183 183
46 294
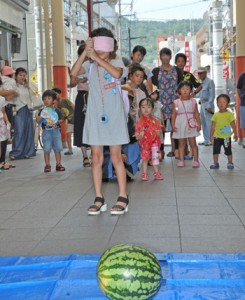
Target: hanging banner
188 55
33 79
226 73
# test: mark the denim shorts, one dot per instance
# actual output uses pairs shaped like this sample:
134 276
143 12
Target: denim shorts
52 140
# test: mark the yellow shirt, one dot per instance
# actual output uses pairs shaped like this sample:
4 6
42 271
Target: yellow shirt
223 122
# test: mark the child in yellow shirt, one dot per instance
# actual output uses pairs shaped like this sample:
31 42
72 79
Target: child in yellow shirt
223 123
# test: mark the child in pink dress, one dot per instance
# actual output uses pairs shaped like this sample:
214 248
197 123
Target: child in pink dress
147 132
186 122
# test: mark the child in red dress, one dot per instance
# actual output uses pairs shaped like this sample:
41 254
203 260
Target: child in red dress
147 132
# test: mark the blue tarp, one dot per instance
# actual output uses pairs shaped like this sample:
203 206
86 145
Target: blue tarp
73 277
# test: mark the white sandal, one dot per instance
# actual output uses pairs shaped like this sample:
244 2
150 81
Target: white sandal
119 209
97 209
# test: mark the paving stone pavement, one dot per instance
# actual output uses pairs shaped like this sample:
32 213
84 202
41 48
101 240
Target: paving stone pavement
192 210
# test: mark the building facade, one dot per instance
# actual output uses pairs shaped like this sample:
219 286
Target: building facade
13 40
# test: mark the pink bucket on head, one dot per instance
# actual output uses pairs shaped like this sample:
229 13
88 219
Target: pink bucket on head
103 43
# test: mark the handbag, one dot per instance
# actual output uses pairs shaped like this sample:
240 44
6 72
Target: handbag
192 122
35 101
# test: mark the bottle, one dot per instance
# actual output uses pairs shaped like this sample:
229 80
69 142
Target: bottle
155 154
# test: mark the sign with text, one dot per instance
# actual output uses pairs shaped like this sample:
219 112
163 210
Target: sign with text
226 73
188 55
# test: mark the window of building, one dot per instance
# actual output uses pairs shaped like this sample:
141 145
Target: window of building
82 16
67 5
68 50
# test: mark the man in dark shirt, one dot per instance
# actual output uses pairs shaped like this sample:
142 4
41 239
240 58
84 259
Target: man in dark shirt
241 93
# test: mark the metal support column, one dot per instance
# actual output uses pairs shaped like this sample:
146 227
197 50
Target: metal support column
59 55
90 16
41 78
47 43
217 43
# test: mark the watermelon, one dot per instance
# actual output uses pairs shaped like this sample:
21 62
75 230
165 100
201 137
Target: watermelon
128 272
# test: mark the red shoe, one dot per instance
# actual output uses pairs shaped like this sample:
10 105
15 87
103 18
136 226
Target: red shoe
144 177
158 176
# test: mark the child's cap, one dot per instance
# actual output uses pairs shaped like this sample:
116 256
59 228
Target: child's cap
49 93
6 71
201 70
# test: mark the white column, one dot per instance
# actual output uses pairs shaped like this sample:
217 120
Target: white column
217 44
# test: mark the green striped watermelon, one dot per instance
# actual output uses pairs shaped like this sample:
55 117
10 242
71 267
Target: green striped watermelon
127 272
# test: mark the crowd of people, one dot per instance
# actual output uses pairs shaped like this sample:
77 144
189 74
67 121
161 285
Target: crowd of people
121 112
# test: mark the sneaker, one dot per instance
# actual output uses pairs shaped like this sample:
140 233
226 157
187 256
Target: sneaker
214 166
195 164
181 164
69 152
208 144
230 166
187 157
144 177
158 176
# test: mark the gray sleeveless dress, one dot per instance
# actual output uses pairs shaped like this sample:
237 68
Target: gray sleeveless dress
115 131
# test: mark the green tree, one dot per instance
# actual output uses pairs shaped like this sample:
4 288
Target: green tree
152 29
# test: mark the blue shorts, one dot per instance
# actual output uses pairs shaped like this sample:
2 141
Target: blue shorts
52 140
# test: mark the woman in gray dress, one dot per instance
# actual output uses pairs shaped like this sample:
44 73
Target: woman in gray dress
105 123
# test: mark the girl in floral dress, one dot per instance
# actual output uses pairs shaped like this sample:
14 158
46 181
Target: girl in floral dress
147 132
166 78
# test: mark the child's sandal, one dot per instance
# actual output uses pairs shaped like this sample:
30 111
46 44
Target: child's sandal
5 166
47 169
59 167
86 162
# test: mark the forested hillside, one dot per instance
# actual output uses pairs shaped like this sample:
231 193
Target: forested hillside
151 29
